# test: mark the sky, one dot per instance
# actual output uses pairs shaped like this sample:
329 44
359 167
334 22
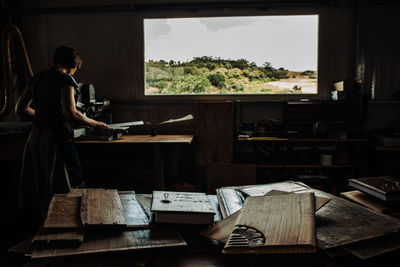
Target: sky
290 42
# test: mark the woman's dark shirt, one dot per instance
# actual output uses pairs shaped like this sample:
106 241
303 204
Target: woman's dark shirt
46 94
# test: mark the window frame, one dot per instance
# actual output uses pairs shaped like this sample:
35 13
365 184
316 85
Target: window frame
139 75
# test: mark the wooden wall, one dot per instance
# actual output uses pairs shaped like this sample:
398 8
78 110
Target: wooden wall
355 37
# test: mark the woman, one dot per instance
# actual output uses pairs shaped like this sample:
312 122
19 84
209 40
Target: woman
49 100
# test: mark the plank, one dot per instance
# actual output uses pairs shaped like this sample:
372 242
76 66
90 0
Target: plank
134 214
341 222
256 230
230 201
375 246
63 212
222 229
94 243
214 202
58 237
371 202
102 208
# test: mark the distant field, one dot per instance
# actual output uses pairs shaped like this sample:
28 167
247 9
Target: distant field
208 75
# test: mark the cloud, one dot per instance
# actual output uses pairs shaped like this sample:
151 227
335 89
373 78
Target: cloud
217 24
285 41
155 29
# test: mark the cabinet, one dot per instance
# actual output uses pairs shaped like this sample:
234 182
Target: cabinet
284 149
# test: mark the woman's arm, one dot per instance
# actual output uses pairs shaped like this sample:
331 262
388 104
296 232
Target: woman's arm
69 108
24 102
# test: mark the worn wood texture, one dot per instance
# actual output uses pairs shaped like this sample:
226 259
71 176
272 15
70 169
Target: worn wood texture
214 203
230 201
63 212
102 208
256 230
214 131
375 246
134 214
372 202
339 222
106 242
222 229
58 237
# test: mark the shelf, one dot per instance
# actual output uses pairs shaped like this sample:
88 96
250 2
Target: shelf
302 140
310 166
387 148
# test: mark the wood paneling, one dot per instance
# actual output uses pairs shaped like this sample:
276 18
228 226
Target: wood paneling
214 131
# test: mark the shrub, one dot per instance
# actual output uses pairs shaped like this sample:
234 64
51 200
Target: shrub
188 84
217 80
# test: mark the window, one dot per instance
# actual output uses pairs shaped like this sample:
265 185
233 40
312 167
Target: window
239 55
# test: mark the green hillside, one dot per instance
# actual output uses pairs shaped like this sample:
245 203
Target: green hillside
209 75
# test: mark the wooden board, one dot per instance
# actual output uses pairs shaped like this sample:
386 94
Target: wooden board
58 237
256 230
371 202
134 214
230 201
374 246
63 213
145 200
214 202
222 229
106 242
102 208
341 222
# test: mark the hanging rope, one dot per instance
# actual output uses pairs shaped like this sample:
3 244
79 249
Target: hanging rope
11 33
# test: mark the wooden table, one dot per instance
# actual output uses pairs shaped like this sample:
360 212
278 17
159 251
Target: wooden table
155 141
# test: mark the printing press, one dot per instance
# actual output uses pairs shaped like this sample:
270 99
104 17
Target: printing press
96 107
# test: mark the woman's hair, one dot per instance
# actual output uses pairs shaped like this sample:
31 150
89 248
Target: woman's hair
67 57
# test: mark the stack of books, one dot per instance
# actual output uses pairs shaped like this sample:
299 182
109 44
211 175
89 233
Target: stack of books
385 188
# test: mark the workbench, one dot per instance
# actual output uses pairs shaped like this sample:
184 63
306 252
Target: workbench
127 141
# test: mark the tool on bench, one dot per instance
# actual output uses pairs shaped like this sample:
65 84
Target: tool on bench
96 107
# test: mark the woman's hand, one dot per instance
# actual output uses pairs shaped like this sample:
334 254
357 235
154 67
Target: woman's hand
99 125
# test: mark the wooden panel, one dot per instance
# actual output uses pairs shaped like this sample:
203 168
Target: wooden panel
101 208
341 222
222 229
134 214
255 230
214 131
374 246
118 241
371 202
104 41
58 237
230 201
145 200
63 212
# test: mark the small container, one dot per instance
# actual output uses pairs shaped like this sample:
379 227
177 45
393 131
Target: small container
326 160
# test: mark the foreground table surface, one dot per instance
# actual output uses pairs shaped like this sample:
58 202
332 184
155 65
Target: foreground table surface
143 139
